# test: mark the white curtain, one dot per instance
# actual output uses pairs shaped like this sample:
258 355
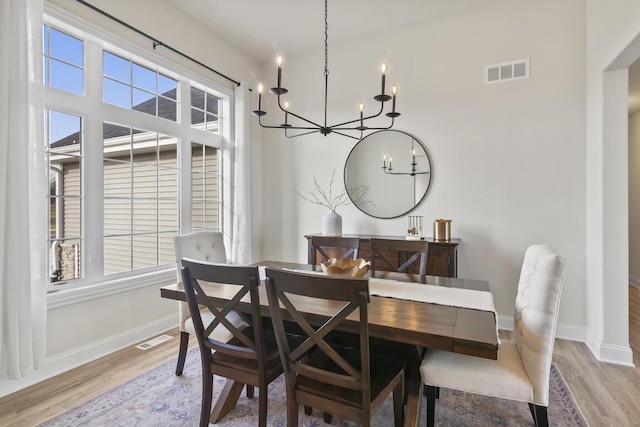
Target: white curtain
241 225
23 183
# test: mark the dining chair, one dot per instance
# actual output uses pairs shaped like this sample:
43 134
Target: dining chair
417 249
251 356
521 371
348 382
323 244
203 246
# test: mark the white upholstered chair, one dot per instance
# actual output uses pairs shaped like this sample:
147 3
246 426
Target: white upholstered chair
521 372
201 246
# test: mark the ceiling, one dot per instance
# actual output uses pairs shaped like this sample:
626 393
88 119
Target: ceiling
264 28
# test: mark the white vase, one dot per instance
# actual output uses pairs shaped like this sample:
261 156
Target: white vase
332 224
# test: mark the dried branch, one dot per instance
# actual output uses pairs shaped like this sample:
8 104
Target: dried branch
318 196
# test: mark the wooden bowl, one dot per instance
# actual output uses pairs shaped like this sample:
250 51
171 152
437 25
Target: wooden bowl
345 267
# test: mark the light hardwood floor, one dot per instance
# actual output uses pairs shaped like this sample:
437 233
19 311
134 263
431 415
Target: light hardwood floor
609 395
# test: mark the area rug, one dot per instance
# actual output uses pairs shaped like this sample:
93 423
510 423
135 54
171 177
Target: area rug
160 398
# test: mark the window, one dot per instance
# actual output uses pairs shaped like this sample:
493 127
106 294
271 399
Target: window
130 85
204 187
124 184
63 61
64 161
141 203
204 110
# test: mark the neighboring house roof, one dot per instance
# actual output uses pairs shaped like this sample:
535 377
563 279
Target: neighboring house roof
166 108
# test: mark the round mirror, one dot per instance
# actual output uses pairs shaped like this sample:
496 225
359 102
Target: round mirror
387 174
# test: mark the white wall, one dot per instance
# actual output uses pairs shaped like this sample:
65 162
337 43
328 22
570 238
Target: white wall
77 333
612 35
508 159
634 199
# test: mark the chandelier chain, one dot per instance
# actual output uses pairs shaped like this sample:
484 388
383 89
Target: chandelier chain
326 38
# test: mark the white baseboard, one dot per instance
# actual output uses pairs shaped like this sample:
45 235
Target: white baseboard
563 331
616 354
67 361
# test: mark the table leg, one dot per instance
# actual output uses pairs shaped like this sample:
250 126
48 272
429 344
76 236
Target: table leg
227 400
413 390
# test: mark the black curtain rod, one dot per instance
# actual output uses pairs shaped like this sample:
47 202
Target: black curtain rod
155 41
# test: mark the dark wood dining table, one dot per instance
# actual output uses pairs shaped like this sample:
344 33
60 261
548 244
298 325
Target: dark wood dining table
401 326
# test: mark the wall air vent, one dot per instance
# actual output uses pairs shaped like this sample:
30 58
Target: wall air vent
506 71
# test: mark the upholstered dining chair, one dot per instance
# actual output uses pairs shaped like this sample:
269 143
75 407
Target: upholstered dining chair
417 249
323 244
521 371
203 246
250 357
338 380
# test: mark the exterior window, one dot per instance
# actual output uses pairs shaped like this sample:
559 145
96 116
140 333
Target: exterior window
135 87
63 61
204 110
64 151
141 202
205 187
116 176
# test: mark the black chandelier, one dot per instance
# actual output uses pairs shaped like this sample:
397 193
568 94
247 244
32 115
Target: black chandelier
309 126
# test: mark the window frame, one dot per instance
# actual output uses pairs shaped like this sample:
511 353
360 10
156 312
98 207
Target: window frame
94 283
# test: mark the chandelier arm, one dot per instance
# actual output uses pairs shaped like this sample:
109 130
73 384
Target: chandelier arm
284 127
407 173
368 128
288 127
358 120
298 134
344 134
297 116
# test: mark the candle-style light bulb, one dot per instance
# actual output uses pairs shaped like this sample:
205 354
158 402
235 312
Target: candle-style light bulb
361 113
384 161
260 96
389 163
286 112
394 91
279 62
383 68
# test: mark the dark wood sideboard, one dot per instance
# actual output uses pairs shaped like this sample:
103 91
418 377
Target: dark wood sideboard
442 259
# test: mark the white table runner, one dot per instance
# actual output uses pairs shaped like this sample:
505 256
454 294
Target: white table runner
442 295
433 294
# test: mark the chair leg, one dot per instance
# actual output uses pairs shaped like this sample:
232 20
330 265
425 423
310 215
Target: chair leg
207 395
432 393
327 417
262 404
539 414
250 391
308 410
182 352
398 404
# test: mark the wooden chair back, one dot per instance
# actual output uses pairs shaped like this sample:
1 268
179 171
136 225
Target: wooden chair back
246 358
318 373
417 249
321 244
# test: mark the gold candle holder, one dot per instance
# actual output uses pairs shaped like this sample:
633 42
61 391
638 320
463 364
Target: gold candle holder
442 230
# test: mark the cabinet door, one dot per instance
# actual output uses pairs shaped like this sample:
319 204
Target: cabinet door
441 261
